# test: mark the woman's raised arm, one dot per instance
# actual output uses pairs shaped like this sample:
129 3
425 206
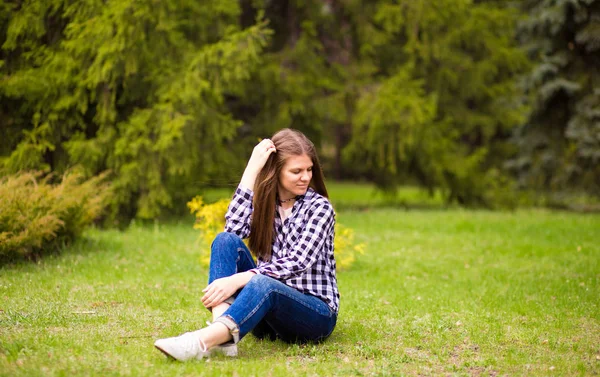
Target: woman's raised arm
257 161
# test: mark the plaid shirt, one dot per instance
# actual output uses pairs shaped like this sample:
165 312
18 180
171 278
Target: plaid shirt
302 255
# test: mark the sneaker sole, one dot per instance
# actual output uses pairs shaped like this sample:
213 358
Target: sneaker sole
228 351
165 352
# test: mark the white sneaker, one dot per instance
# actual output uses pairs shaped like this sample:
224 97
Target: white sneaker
184 347
227 349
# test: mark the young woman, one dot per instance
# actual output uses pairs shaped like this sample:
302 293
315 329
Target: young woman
281 205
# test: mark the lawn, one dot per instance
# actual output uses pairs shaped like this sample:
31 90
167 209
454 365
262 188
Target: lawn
438 292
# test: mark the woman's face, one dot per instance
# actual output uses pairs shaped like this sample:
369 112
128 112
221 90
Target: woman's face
295 176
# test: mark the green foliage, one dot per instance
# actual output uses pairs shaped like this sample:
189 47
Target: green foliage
391 122
171 96
442 111
559 146
137 87
403 92
37 216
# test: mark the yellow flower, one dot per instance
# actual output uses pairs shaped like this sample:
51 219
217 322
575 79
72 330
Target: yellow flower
210 221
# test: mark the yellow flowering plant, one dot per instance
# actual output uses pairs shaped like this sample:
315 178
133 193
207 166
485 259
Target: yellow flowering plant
210 220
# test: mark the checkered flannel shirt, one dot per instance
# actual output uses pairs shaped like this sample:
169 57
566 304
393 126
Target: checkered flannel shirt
302 255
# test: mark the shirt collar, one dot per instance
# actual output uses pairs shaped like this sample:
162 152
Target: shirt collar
309 194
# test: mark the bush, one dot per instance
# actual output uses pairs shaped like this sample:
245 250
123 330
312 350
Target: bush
37 216
210 220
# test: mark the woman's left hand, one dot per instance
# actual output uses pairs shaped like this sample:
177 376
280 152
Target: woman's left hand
219 291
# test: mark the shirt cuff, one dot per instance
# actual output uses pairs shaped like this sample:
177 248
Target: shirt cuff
243 190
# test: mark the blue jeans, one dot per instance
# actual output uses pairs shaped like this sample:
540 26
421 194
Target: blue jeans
266 307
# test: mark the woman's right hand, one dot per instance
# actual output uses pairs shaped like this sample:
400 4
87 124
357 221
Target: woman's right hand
221 289
257 161
260 155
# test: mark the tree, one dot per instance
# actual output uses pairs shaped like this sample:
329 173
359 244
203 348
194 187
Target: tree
443 103
404 91
164 94
559 145
138 87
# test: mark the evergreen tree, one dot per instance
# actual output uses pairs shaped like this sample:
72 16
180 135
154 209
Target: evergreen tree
164 94
410 91
135 86
559 145
463 57
308 76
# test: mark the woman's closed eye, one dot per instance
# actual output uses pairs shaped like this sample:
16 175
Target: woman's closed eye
300 171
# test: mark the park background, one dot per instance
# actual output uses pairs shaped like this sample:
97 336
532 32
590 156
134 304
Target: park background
460 140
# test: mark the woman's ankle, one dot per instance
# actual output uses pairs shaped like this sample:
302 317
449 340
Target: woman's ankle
201 342
215 334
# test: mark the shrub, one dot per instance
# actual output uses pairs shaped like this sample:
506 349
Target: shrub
210 220
38 216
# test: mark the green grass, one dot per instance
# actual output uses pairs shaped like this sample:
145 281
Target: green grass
452 292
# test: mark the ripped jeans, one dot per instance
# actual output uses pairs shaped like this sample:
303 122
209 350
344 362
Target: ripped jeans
266 307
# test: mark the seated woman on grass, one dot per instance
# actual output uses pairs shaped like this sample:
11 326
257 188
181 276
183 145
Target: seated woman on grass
281 205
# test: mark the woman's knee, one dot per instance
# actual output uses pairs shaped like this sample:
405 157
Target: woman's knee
261 284
225 239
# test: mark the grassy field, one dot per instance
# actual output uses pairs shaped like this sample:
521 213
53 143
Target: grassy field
465 293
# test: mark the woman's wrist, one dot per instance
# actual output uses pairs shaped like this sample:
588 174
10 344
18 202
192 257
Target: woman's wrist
242 278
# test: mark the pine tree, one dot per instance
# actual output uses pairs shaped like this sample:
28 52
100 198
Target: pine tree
409 91
559 145
451 67
137 87
164 94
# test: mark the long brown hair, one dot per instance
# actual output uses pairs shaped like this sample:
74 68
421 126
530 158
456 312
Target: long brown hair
288 143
